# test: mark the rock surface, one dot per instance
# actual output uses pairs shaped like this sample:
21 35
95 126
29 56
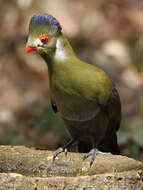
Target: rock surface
23 168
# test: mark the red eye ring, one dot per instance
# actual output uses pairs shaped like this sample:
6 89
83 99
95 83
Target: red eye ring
44 39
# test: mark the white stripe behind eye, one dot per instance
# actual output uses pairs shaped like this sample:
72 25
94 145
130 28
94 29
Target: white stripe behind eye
38 42
60 53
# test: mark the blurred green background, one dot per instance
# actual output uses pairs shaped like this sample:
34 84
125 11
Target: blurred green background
107 34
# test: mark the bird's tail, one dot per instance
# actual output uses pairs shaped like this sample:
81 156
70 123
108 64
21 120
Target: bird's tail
109 142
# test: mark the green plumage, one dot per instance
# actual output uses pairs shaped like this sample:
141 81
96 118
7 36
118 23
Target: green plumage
82 93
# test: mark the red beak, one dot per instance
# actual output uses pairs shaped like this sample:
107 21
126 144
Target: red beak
29 49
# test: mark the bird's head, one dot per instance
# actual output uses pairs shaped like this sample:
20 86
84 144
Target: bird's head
44 30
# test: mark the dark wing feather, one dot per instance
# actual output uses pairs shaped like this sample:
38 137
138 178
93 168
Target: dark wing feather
113 109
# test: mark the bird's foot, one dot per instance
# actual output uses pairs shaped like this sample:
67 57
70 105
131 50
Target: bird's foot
93 152
58 151
63 149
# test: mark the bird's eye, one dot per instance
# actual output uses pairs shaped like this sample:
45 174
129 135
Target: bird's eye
44 38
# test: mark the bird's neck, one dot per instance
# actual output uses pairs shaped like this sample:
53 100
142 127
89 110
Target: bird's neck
63 49
62 53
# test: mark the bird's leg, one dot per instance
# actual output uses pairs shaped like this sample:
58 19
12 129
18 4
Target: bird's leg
63 149
93 152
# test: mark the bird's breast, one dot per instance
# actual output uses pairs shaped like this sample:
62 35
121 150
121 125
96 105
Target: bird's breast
72 105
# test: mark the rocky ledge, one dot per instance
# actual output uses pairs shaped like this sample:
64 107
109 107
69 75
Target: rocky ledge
23 168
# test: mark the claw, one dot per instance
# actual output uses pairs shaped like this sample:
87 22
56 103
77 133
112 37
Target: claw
58 151
99 152
91 162
66 151
63 149
93 152
92 157
88 154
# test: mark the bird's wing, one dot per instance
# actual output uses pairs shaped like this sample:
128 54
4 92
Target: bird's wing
112 107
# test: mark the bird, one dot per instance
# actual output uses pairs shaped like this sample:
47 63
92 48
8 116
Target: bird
82 93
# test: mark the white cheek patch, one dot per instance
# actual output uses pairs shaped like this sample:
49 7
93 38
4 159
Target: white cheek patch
37 43
60 53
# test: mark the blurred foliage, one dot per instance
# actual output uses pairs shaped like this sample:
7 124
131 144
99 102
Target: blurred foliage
109 35
52 125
